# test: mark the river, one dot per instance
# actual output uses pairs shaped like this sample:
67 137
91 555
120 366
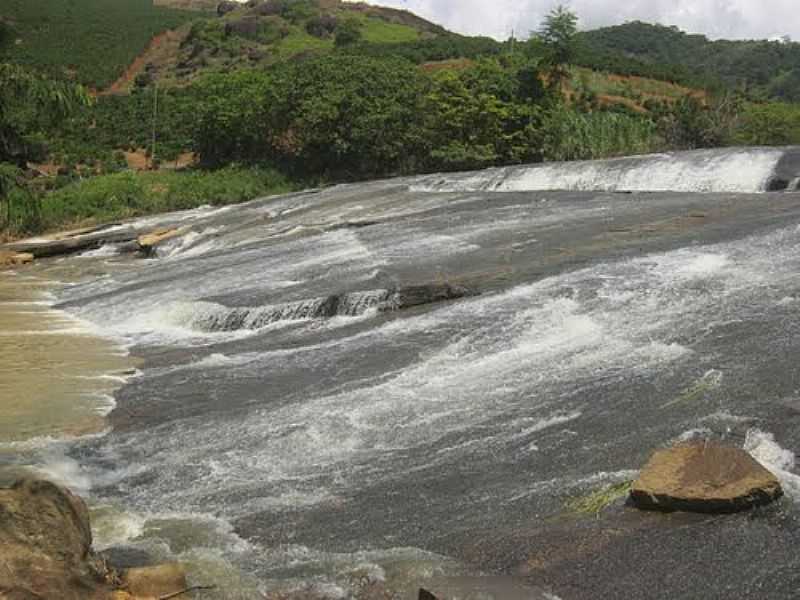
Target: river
272 445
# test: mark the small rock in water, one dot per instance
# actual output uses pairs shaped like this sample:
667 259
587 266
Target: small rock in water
149 241
157 581
704 477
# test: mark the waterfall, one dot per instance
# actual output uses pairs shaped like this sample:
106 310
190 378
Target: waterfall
745 170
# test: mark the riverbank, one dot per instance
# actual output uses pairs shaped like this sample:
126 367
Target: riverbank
131 194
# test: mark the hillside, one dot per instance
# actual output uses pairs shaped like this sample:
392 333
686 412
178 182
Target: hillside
91 41
314 91
263 33
763 68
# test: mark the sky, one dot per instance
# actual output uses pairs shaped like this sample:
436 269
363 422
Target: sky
732 19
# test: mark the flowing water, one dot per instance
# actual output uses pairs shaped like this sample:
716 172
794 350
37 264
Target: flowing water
287 426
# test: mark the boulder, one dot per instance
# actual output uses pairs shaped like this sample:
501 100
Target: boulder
149 241
704 477
46 545
158 581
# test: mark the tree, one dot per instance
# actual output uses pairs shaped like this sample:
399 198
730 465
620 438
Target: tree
557 35
479 117
27 103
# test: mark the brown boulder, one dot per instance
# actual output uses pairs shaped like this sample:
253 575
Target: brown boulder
704 477
45 545
149 241
158 581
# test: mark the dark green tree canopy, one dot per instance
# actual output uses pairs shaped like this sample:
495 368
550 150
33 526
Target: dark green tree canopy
557 33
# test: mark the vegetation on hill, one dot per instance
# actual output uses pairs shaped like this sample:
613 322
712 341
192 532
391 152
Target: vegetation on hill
273 94
90 41
768 69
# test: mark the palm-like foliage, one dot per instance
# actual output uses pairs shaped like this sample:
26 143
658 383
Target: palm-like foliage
27 102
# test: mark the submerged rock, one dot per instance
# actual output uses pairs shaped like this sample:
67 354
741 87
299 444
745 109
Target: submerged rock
429 293
46 545
704 477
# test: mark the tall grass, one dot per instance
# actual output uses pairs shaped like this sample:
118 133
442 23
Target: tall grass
129 194
570 135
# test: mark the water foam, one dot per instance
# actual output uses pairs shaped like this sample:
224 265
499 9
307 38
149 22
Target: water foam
727 170
781 461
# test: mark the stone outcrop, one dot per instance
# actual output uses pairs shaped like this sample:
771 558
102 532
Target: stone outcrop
73 241
46 545
704 477
46 552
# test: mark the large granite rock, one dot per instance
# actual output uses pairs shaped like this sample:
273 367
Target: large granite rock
46 545
704 477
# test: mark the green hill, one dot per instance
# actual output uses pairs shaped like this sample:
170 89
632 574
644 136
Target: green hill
91 41
762 68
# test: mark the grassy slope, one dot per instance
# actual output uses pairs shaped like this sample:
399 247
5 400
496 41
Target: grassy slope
127 194
91 40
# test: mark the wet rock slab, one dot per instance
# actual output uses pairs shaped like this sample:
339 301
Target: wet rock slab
706 478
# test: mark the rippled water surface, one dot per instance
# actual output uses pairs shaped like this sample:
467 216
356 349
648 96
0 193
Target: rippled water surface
272 441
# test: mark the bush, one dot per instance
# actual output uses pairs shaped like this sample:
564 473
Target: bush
322 26
348 33
570 135
128 194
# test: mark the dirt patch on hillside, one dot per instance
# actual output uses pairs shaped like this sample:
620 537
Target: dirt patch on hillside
162 50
